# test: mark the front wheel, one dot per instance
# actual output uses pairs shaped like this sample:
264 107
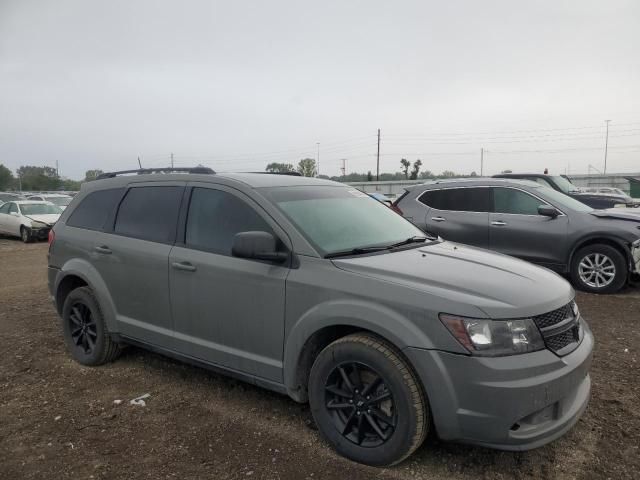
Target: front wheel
25 234
599 268
366 400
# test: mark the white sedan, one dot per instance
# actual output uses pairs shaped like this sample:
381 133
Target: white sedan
57 199
28 219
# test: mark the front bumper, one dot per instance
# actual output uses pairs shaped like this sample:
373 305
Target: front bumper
517 402
41 233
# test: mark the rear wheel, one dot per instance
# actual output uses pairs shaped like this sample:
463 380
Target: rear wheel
599 268
367 401
84 330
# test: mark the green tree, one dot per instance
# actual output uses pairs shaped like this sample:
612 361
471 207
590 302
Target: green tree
38 178
405 167
416 169
474 174
307 167
427 174
7 180
369 176
448 174
279 167
92 175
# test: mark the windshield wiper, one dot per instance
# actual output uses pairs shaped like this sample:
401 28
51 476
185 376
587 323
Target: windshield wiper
379 248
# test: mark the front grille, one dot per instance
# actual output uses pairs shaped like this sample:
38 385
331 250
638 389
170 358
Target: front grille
560 329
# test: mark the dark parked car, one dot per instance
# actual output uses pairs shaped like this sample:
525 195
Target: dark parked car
310 288
599 249
561 184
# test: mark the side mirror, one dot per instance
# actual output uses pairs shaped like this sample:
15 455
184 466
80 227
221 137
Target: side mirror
548 211
258 246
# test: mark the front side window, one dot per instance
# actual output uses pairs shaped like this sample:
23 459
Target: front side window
5 208
515 202
149 213
215 217
336 219
39 209
468 199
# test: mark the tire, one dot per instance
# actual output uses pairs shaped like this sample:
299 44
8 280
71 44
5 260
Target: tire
336 408
609 267
25 234
84 329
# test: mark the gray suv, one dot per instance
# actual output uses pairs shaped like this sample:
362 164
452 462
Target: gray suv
315 290
599 249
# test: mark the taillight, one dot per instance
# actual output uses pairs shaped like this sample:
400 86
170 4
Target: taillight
52 237
395 208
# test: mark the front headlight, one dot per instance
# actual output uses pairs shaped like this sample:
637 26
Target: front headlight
494 338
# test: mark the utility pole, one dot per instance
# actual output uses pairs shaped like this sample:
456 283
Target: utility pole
57 170
344 167
482 162
318 159
606 146
378 159
139 163
172 160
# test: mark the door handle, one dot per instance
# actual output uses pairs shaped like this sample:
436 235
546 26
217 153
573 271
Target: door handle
438 219
103 249
499 223
184 266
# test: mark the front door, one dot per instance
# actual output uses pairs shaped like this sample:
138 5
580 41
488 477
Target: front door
516 228
227 310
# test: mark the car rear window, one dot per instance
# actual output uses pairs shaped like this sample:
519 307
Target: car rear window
149 213
458 199
93 210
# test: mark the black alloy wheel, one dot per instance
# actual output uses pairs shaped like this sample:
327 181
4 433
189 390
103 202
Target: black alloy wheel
83 328
360 404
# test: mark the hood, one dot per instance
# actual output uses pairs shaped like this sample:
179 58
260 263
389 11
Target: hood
49 219
499 285
632 214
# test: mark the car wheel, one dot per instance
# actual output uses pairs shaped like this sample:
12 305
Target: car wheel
25 234
84 330
366 400
599 269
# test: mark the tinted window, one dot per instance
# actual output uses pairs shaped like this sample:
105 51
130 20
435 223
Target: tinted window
215 217
509 200
94 209
149 213
458 199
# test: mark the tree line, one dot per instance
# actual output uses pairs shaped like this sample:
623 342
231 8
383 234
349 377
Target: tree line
307 168
37 179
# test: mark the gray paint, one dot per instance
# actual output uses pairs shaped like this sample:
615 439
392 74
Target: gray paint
253 319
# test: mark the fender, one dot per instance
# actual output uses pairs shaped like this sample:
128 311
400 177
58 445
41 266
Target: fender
84 270
619 241
376 318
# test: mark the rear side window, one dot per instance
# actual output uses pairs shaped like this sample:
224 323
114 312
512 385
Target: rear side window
5 208
93 210
458 199
149 213
216 216
516 202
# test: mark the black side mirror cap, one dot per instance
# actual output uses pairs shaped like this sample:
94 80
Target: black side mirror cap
257 246
548 211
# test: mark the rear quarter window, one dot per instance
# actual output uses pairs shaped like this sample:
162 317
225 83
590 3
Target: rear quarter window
468 199
94 209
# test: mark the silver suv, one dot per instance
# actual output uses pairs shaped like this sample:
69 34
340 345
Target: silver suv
315 290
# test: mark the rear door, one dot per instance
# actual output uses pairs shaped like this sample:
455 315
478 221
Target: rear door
132 256
227 310
459 214
516 228
4 214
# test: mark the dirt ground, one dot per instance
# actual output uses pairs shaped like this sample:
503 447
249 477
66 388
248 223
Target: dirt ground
58 419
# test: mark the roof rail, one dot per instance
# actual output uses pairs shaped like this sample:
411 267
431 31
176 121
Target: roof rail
292 174
142 171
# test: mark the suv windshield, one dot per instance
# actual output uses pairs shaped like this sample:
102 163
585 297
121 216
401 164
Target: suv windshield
561 200
60 201
335 219
39 209
565 185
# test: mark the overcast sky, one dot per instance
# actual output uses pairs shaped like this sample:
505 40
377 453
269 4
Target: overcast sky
237 84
